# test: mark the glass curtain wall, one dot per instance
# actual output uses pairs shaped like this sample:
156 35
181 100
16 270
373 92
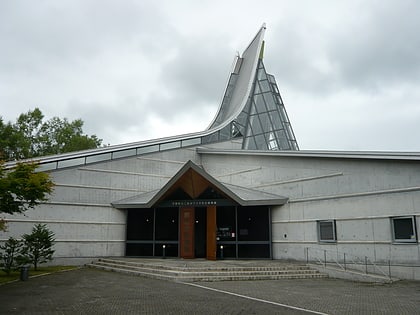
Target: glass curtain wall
150 230
263 123
242 232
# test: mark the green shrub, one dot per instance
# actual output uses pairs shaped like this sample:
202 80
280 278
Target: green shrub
38 245
11 256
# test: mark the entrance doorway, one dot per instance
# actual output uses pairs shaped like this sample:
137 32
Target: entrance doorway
198 232
194 215
200 237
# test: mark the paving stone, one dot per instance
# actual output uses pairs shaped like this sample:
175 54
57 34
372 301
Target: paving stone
91 291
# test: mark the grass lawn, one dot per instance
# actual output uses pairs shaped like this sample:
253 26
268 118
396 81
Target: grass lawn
15 275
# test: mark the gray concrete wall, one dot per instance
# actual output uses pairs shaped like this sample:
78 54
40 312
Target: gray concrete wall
360 194
79 210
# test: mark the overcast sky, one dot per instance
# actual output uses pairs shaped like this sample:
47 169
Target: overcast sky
348 71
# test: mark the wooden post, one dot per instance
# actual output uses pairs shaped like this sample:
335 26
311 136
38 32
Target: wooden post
187 232
211 233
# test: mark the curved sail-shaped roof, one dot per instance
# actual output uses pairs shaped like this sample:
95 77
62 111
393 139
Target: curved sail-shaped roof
251 110
252 107
240 82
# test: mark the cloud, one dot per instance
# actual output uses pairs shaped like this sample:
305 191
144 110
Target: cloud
348 71
380 47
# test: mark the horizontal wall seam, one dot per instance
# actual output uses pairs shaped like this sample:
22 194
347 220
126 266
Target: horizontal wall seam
360 194
98 187
80 241
240 172
294 242
121 172
64 222
299 180
337 242
347 219
87 241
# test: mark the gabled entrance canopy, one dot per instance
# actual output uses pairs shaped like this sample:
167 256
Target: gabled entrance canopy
193 180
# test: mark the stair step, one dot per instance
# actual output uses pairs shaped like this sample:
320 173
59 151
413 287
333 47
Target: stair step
170 270
231 268
211 272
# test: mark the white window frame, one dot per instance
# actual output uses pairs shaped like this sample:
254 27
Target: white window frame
334 230
413 237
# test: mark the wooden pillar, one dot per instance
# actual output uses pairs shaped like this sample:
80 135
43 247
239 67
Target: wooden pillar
211 233
187 232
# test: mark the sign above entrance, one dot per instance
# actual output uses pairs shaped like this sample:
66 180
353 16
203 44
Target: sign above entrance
193 203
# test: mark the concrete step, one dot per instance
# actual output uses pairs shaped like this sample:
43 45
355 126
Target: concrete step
207 271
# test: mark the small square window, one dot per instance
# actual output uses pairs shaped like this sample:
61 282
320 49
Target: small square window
404 229
326 231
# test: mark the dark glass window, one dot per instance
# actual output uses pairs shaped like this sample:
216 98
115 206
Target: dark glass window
255 124
226 251
265 122
139 250
226 224
404 229
282 138
326 231
140 224
269 100
253 224
254 251
167 224
260 141
171 250
275 118
265 87
257 89
260 104
249 143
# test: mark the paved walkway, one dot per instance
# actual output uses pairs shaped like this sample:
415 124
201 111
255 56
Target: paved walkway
90 291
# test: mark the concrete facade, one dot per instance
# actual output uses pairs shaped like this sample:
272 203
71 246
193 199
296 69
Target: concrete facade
361 194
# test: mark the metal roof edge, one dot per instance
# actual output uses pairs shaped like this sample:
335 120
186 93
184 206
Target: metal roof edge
378 155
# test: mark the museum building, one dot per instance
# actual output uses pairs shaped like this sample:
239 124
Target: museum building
240 189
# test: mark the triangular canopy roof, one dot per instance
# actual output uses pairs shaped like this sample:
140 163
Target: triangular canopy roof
193 180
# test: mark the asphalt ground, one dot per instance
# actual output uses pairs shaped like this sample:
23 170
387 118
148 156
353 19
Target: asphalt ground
91 291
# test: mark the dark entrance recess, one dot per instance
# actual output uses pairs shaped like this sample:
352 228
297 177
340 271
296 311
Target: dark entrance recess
148 230
243 232
200 232
196 217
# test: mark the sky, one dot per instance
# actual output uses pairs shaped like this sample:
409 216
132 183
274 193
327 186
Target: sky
348 71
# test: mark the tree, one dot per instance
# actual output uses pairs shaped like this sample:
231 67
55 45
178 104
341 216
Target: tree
8 139
11 257
61 136
30 136
22 188
38 245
